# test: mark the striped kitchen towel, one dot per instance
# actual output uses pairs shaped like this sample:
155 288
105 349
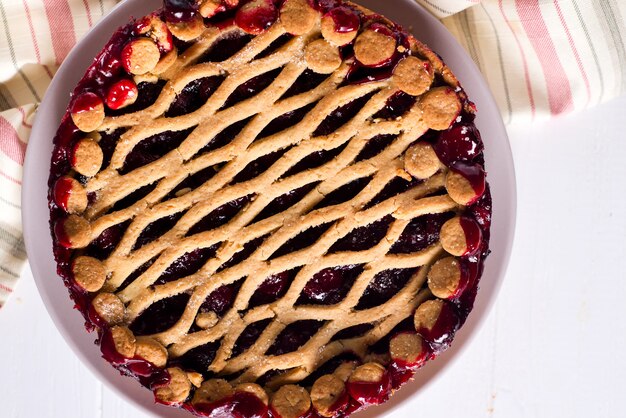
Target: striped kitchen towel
541 58
35 37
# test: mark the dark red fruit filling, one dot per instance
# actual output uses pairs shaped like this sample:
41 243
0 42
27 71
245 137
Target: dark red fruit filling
302 240
106 242
344 193
257 19
396 106
353 332
157 229
286 121
462 142
363 238
420 233
220 216
442 333
314 160
187 264
199 358
121 93
177 11
225 48
307 81
153 148
249 336
346 19
341 116
370 393
248 248
285 201
222 299
148 374
375 146
273 288
330 286
384 286
160 316
251 87
238 405
62 191
474 173
194 95
473 234
86 102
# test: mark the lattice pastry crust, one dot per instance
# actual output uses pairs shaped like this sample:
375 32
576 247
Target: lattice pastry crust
98 190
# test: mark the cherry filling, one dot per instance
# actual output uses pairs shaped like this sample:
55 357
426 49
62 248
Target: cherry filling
474 174
225 137
249 336
420 233
329 286
472 232
344 193
194 95
160 316
225 48
221 299
259 166
393 188
345 18
294 336
187 264
177 11
248 248
370 393
375 146
133 198
314 160
153 148
238 405
442 333
220 216
285 201
105 243
285 121
148 374
396 106
275 46
341 116
157 229
135 274
272 288
62 191
256 16
303 240
199 358
462 142
384 286
307 81
363 238
353 332
251 87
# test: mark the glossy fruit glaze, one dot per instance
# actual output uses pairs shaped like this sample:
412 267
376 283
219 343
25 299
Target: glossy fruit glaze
460 148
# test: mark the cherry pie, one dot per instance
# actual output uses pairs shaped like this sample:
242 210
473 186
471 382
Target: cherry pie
269 208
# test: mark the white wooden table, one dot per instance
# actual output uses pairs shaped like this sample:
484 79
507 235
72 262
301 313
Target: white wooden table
553 345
